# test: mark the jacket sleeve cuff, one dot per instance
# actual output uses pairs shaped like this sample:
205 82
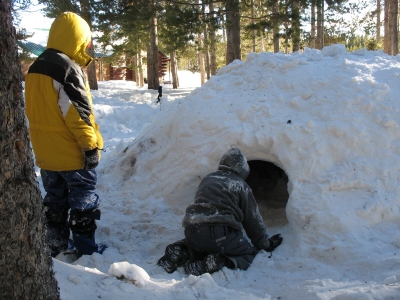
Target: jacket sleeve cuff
264 244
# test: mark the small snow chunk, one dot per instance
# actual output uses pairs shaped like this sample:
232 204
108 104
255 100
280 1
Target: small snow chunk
192 279
294 102
75 279
306 95
334 50
130 272
310 124
390 280
390 124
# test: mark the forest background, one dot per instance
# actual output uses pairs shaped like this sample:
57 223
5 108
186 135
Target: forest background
198 34
203 36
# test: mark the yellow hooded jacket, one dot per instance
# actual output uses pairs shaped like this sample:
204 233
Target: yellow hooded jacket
58 100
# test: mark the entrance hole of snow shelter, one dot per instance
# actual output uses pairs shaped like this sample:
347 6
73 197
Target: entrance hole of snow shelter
269 185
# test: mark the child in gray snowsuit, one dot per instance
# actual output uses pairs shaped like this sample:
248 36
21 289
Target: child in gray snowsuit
224 205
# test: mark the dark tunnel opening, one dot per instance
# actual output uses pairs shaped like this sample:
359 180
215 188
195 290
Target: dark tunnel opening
269 185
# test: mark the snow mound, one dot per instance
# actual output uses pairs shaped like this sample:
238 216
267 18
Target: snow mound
328 118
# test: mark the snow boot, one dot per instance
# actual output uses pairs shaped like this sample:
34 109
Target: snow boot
175 256
210 264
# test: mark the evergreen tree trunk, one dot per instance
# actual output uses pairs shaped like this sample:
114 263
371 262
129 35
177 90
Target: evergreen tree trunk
275 25
206 53
201 59
312 34
386 38
391 39
253 33
91 69
295 25
378 20
152 56
232 31
174 70
319 42
393 27
135 70
25 264
213 44
140 66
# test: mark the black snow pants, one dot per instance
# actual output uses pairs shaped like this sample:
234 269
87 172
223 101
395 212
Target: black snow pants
222 239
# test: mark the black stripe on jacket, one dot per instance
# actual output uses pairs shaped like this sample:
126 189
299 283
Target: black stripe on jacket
61 68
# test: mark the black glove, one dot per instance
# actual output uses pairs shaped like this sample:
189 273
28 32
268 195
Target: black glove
274 242
92 158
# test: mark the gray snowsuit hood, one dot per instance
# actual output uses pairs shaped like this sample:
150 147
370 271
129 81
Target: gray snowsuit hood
235 162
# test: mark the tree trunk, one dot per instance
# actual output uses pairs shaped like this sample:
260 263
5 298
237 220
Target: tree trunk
378 20
253 32
295 25
312 37
152 57
275 25
213 43
91 69
174 70
135 69
386 38
25 264
206 54
232 31
319 43
201 59
391 39
393 26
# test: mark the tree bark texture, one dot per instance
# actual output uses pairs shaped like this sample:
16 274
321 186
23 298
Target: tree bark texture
174 70
91 70
201 59
213 44
319 42
312 37
378 20
391 40
26 270
153 80
275 30
296 26
232 31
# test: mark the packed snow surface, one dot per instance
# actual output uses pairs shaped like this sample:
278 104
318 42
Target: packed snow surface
328 118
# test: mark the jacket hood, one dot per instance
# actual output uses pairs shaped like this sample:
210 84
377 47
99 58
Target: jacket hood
235 162
70 34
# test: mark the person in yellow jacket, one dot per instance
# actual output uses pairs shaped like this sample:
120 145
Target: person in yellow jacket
65 137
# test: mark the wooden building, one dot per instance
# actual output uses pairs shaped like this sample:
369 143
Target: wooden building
104 71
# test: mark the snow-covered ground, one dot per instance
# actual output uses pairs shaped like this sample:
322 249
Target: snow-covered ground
341 152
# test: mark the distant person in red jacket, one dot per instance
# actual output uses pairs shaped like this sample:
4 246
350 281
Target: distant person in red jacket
224 205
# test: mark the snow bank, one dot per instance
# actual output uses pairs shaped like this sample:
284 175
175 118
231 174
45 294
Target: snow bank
340 149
